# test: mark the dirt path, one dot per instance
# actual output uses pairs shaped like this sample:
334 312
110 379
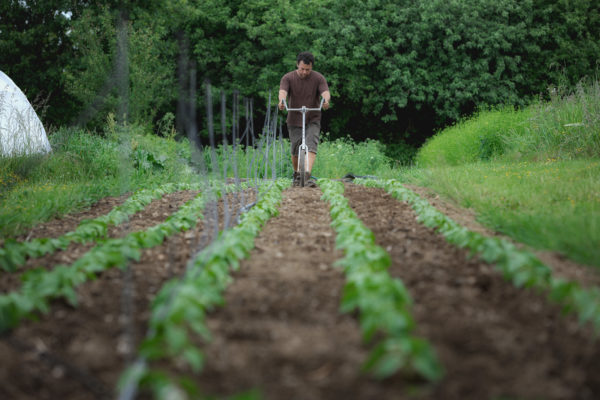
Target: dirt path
281 330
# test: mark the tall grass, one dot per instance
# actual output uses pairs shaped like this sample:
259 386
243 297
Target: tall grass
83 168
478 138
567 128
335 159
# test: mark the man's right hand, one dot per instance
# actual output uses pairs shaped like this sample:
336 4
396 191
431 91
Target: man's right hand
281 106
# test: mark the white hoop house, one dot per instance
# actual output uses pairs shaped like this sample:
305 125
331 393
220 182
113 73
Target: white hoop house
21 131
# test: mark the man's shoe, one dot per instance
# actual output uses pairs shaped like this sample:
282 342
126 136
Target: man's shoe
308 181
296 179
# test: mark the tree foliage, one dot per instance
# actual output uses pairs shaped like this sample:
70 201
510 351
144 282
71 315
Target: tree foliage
398 69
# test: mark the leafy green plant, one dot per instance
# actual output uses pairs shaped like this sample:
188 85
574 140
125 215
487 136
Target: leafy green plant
14 254
521 267
145 160
383 302
40 286
180 308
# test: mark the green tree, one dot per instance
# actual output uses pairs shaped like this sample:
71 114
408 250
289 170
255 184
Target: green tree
402 60
93 76
34 47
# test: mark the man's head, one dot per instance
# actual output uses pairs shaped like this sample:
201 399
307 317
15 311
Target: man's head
304 62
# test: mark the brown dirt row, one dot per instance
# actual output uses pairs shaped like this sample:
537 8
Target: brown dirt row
156 212
281 330
79 353
69 222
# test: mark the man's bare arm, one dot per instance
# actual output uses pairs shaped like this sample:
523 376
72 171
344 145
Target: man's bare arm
327 96
282 96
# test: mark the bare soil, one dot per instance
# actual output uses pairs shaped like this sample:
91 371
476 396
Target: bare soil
562 267
281 330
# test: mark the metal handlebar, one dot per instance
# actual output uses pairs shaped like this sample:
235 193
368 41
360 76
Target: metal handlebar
304 108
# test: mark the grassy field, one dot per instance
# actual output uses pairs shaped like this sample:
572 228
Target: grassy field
533 174
552 205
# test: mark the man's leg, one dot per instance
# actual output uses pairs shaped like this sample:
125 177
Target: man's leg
295 140
311 160
312 140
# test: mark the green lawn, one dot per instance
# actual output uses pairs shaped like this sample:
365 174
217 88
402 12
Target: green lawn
551 204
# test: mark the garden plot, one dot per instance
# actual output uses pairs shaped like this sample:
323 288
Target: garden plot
153 214
281 330
80 352
493 339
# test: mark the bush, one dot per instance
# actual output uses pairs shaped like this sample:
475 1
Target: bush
479 138
565 128
343 156
401 154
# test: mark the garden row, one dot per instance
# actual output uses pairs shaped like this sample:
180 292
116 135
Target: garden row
40 286
180 308
521 267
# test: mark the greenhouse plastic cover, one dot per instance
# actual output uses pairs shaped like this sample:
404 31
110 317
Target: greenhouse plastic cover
21 131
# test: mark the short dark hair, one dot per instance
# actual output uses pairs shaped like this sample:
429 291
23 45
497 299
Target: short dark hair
306 57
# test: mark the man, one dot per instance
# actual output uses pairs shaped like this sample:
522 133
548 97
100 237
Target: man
304 87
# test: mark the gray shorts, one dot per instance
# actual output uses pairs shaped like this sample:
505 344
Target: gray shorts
313 130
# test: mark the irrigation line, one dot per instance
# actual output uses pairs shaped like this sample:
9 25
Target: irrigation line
261 145
266 157
282 158
225 158
253 141
140 365
213 155
130 388
267 123
128 311
191 117
234 133
274 130
128 308
246 158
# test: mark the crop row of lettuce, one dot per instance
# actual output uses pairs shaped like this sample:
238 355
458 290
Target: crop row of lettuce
383 302
41 286
180 308
519 266
14 253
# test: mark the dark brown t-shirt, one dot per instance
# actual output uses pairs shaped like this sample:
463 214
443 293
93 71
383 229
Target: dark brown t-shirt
303 92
